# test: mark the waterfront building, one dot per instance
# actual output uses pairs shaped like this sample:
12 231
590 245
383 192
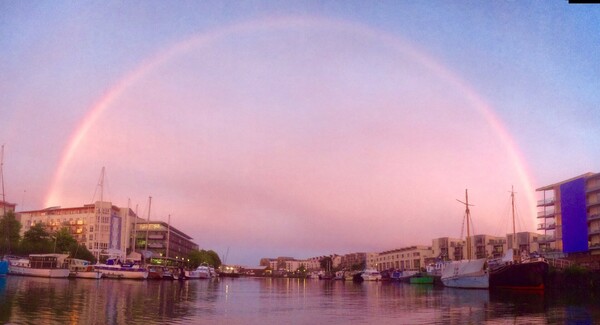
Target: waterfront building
96 225
406 258
447 248
525 241
6 207
494 246
348 261
569 214
372 259
162 239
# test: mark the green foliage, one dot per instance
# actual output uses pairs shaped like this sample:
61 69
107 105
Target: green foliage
66 244
358 266
326 263
9 230
36 241
203 256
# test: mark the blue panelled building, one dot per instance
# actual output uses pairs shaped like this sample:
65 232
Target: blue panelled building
569 214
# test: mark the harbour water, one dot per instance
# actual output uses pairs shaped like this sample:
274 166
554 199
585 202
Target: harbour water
275 301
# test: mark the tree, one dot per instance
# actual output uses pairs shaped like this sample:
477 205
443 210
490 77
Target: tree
209 257
10 229
36 240
326 263
65 243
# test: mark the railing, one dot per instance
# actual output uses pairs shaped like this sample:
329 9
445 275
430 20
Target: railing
559 263
546 202
592 188
546 226
543 214
546 239
594 231
594 216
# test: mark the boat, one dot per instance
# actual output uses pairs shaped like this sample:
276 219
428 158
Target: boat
40 265
371 275
201 272
421 278
114 268
159 272
518 271
403 276
82 269
3 268
468 273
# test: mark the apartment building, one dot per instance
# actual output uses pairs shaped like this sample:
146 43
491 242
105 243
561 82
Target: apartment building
6 207
491 246
447 248
348 261
162 239
406 258
99 225
569 214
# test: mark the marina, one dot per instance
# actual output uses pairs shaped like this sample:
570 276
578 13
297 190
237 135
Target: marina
260 300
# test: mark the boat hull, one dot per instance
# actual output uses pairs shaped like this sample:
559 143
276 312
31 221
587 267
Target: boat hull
529 275
123 273
86 274
44 273
3 268
468 282
468 274
425 279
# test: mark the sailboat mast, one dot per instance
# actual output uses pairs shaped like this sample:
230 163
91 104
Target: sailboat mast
126 227
2 178
168 235
469 253
135 229
100 214
148 222
468 217
512 201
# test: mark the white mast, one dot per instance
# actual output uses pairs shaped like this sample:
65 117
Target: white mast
135 229
99 215
467 215
124 245
148 223
168 235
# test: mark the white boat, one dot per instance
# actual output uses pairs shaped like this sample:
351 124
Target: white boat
371 275
41 265
201 272
113 268
82 269
467 273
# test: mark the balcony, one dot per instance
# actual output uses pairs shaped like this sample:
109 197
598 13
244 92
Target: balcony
546 226
595 216
546 239
594 231
595 201
546 214
546 202
592 188
594 246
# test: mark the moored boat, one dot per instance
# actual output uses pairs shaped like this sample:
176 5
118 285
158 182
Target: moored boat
518 271
40 265
113 268
3 268
82 269
201 272
421 278
371 275
468 273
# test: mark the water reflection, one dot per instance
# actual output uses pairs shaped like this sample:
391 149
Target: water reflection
256 301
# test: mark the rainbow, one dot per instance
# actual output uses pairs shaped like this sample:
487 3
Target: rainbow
207 38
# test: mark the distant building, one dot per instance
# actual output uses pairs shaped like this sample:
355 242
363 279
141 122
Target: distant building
407 258
162 239
569 214
525 242
351 260
6 207
493 246
447 248
98 226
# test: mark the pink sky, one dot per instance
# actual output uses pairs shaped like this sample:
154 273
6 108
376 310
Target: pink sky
299 129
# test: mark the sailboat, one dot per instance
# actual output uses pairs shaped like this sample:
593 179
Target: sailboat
469 273
518 271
